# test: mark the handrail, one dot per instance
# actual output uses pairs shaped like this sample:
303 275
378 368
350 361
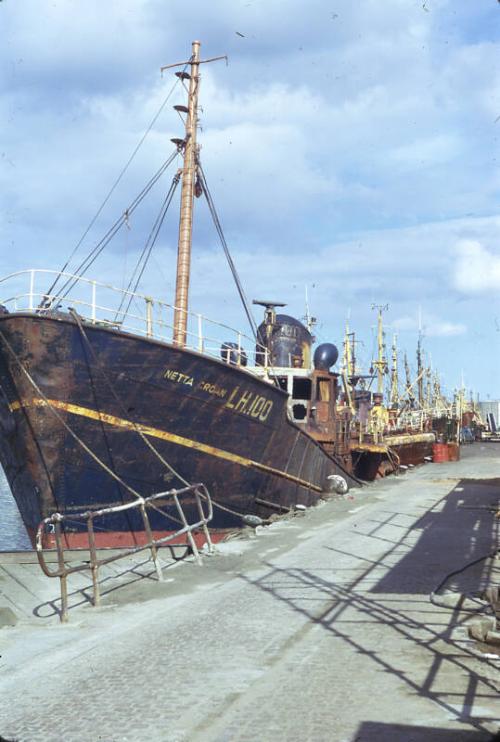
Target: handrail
57 519
147 316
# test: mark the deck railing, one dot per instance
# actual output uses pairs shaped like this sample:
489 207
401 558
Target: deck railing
102 304
57 520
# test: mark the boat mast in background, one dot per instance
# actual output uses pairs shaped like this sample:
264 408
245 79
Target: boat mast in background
420 373
409 385
394 396
380 364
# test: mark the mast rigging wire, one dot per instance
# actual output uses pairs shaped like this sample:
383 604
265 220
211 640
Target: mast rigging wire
112 231
218 227
148 247
115 184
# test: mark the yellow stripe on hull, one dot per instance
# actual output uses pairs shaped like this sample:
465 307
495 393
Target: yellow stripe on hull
164 435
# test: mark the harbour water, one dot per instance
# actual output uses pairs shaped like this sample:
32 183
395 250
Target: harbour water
12 532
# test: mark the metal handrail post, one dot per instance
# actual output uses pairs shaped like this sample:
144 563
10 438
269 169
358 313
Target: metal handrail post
32 288
94 563
94 566
152 545
63 577
189 534
203 519
149 317
200 334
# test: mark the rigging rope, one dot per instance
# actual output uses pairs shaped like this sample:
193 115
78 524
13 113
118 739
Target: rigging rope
113 230
59 417
148 247
145 439
218 227
137 428
94 456
115 184
121 404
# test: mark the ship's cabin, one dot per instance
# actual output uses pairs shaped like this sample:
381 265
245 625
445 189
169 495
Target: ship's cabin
312 394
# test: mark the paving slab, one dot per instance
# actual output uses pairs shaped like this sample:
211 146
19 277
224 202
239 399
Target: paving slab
317 628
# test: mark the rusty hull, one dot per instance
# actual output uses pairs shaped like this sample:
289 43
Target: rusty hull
212 422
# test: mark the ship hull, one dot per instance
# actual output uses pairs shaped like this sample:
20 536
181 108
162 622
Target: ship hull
376 460
81 401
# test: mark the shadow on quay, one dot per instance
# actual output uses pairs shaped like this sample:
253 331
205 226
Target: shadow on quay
372 731
446 538
118 577
459 530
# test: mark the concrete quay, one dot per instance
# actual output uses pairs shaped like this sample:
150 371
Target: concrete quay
318 628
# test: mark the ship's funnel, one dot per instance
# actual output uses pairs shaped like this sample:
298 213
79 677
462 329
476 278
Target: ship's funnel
287 341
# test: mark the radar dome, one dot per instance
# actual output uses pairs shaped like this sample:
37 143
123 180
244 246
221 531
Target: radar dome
325 356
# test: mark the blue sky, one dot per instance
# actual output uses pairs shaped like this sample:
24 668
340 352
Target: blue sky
350 147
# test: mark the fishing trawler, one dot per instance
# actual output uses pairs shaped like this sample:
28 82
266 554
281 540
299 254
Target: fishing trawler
109 397
386 437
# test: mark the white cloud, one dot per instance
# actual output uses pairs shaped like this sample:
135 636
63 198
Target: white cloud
477 269
348 147
432 326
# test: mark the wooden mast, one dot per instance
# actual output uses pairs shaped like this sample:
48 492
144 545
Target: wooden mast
409 385
187 198
394 374
420 373
380 364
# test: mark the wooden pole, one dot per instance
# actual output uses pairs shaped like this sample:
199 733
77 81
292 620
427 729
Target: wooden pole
187 199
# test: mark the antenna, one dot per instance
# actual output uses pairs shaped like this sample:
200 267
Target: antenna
310 321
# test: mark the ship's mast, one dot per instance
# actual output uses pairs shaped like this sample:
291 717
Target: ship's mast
420 373
409 385
380 364
394 374
187 198
346 360
428 387
190 154
308 319
352 353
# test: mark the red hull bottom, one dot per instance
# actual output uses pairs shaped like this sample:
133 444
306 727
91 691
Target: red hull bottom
127 539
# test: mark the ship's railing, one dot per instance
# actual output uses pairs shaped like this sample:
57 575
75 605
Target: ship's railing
412 420
54 524
106 305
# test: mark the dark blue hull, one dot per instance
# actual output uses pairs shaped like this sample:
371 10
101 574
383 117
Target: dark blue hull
121 396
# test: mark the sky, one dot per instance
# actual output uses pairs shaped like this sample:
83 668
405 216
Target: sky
350 148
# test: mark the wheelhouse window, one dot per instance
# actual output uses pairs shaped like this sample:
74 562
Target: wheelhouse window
301 388
323 390
299 411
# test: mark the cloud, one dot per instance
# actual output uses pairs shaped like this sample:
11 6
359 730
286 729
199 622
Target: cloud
432 326
349 148
477 270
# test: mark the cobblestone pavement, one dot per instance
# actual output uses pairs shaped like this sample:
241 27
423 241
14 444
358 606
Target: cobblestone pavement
318 629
